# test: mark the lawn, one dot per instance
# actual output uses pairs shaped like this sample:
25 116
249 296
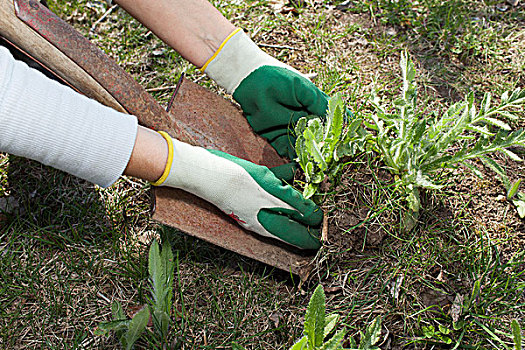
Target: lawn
68 249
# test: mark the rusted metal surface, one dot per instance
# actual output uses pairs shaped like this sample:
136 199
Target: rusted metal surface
209 224
215 123
197 116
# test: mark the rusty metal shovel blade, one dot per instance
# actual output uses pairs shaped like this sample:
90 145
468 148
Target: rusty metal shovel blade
217 124
197 116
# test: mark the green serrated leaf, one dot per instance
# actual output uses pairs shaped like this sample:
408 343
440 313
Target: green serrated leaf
496 122
335 342
495 167
508 115
136 327
317 177
314 149
316 128
155 270
309 171
168 265
300 126
512 155
301 344
375 330
333 102
161 269
309 190
472 168
423 181
117 325
399 102
481 130
458 325
513 190
315 318
444 339
428 331
516 334
336 126
117 311
161 322
485 103
372 334
444 330
330 323
353 343
302 151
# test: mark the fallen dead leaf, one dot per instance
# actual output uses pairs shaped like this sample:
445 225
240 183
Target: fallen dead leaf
455 310
281 6
277 5
8 204
441 277
276 318
330 290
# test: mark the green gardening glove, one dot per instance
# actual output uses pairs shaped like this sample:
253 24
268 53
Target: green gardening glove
250 194
272 94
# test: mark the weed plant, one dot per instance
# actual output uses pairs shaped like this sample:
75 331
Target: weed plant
415 148
321 146
161 271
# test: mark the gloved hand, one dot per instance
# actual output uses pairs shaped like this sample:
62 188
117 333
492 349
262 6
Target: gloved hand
272 94
249 193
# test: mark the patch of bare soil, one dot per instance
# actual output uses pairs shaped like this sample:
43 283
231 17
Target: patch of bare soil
484 200
354 220
359 221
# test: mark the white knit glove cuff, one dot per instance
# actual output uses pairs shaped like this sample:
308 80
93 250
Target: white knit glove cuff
221 182
236 58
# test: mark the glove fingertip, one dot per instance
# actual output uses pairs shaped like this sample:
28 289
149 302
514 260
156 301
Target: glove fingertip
285 172
288 230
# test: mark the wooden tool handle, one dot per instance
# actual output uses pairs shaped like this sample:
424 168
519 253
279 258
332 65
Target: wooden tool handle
30 42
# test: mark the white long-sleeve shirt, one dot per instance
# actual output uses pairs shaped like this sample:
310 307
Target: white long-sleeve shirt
45 121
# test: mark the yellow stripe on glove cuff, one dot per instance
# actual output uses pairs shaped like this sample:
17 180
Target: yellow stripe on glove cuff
219 49
167 170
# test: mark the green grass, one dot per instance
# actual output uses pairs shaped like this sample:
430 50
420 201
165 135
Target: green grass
70 249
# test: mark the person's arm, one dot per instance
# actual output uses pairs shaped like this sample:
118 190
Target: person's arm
194 28
272 94
45 121
149 156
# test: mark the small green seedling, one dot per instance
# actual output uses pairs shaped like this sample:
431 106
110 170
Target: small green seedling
320 146
516 334
371 338
513 188
161 271
317 326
